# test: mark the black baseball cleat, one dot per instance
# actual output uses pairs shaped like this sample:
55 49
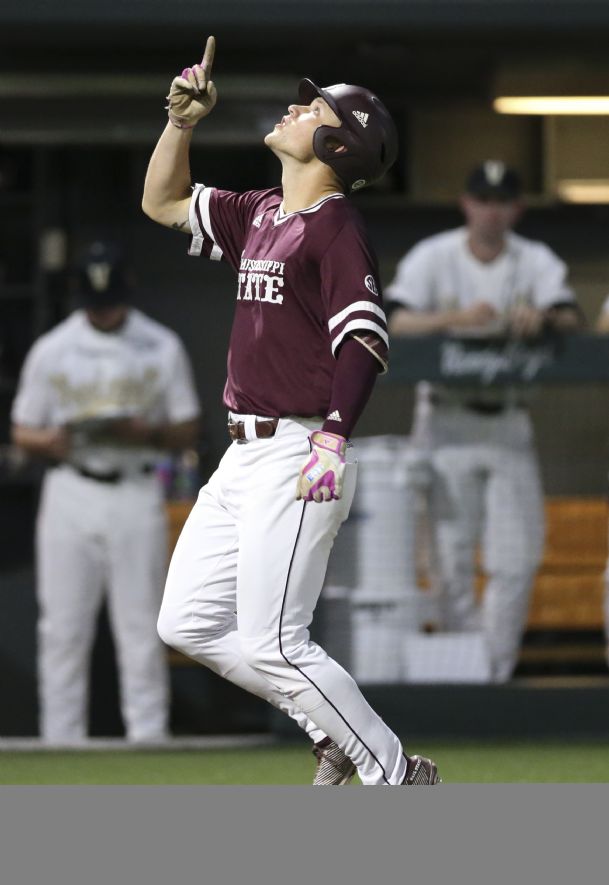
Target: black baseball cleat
421 771
334 768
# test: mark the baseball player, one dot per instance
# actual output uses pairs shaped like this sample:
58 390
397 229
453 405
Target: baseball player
308 339
485 478
100 396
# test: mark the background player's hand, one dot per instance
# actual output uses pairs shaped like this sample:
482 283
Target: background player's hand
321 477
56 443
526 321
132 431
193 95
481 313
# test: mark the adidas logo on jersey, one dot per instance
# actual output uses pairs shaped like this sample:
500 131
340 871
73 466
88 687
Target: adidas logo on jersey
258 220
334 416
361 117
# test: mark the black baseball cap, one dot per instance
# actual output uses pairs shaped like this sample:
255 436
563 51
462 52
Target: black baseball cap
493 179
102 276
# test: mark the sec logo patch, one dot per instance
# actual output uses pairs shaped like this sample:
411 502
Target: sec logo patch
370 284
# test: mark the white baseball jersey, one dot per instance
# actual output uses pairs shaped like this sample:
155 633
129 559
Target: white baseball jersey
75 374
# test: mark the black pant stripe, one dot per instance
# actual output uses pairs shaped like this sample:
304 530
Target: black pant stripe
296 667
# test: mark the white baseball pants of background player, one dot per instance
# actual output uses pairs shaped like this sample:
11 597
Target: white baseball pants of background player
95 537
244 580
486 488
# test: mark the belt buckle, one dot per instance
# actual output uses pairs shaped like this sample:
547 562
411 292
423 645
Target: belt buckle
236 428
233 431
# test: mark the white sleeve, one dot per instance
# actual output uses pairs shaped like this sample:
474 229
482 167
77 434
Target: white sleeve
550 284
181 400
203 241
32 405
412 284
605 305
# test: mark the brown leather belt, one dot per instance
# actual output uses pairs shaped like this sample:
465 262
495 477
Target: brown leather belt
265 428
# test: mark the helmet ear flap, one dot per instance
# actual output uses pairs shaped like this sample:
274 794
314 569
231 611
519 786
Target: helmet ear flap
320 136
339 161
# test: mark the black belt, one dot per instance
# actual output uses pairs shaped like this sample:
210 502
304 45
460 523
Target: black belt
480 407
113 476
265 428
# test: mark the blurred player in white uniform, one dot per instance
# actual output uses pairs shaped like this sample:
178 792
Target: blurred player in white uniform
485 478
100 396
308 340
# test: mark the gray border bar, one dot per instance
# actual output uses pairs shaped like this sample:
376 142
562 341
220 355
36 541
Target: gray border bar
511 834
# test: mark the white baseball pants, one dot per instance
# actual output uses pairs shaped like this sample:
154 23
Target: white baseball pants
95 538
243 582
486 489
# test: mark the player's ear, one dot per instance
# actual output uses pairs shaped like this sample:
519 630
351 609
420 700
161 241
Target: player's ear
333 144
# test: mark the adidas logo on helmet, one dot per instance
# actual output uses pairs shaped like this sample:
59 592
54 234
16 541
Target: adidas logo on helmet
361 117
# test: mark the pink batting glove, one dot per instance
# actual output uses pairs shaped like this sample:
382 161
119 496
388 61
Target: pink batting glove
321 478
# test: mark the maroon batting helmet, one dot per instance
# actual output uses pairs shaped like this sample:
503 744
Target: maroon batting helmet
367 132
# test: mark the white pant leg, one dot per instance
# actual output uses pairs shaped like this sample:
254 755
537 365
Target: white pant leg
513 546
284 547
70 576
137 563
198 613
456 498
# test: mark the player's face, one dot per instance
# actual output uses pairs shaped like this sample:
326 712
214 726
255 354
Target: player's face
293 135
490 217
107 319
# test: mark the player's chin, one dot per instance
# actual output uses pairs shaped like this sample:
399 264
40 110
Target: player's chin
271 137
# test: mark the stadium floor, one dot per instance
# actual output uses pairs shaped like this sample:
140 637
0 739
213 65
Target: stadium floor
258 760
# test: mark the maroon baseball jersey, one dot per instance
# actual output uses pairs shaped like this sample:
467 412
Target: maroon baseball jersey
306 280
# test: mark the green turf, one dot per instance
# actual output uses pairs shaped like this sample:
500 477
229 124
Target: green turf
504 762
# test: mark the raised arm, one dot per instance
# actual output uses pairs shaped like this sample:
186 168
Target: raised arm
167 187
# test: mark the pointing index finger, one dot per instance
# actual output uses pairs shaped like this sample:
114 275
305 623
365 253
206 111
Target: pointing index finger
208 56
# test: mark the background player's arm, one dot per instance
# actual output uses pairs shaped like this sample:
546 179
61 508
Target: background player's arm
564 317
404 322
167 186
552 301
174 436
43 442
55 442
527 321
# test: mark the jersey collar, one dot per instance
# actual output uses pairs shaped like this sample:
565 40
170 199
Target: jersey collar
281 216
